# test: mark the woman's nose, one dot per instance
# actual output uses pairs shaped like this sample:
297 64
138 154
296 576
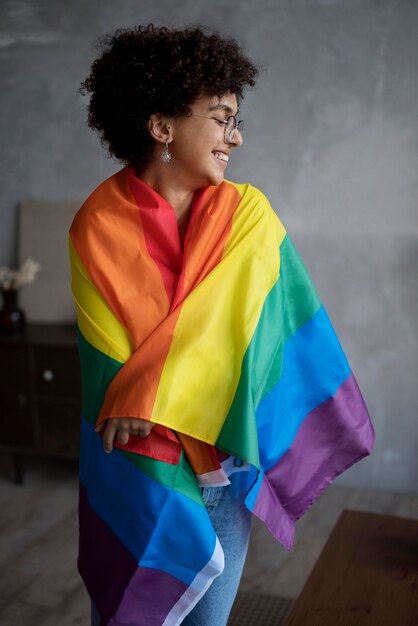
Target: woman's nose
237 139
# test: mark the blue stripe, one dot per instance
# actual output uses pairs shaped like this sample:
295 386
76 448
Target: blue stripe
173 534
255 480
314 367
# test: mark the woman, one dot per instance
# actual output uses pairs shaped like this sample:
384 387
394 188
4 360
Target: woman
213 384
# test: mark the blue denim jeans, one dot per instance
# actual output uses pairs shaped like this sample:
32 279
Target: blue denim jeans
232 522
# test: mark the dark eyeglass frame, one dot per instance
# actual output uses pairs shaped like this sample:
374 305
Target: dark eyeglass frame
236 125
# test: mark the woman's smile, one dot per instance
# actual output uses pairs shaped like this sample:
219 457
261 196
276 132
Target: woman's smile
222 157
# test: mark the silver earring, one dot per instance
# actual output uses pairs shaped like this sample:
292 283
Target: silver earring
166 154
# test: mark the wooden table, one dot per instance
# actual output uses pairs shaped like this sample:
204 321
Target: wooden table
367 574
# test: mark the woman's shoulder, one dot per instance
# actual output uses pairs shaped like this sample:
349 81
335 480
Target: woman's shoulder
254 198
248 191
251 194
105 198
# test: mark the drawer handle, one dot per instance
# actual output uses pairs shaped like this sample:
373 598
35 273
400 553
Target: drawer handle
48 375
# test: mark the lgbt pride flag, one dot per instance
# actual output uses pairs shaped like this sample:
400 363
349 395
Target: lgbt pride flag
233 351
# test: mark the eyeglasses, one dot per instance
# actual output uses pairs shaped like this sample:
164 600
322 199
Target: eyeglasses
231 124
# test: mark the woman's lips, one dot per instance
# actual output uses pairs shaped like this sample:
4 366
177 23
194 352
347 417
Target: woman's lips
221 157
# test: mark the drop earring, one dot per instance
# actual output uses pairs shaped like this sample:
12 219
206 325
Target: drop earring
166 154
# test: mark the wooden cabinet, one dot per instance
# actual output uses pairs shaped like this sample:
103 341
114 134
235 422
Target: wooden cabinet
40 392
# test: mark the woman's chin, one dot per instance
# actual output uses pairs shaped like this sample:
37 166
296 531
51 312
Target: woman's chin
211 177
217 178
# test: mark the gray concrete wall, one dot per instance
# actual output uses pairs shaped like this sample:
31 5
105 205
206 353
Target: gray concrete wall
331 138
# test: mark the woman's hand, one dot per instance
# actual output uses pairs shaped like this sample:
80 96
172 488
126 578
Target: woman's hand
123 426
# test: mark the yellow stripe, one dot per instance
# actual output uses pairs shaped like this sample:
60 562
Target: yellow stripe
111 336
255 205
217 322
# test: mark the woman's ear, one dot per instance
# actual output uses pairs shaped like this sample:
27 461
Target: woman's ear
159 128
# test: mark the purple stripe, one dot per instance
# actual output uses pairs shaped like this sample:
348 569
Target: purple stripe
271 512
149 598
104 563
119 588
334 436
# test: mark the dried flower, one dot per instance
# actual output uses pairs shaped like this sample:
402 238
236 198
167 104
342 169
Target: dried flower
14 279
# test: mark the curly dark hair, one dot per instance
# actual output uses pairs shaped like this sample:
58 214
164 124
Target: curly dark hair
146 70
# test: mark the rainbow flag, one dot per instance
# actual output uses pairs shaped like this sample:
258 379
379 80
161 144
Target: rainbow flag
233 352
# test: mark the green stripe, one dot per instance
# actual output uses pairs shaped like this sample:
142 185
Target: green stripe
300 299
97 372
179 477
292 301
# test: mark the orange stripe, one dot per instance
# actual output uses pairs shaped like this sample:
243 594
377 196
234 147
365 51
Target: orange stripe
108 236
201 456
210 232
133 390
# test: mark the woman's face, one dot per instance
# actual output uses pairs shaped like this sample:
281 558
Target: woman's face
199 151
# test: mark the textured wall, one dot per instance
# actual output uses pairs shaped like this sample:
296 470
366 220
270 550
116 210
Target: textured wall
331 137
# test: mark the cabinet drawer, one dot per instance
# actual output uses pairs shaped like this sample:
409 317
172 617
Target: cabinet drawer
57 372
59 428
14 370
15 419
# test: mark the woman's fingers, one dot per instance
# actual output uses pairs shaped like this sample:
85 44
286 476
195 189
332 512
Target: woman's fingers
109 435
123 435
122 427
145 429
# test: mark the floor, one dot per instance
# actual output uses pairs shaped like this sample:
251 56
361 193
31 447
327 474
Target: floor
39 584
